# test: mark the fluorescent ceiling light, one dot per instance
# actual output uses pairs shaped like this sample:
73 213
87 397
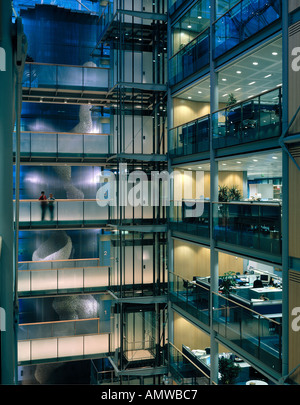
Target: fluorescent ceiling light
238 72
189 26
250 84
255 63
199 92
237 89
268 76
224 80
224 95
274 53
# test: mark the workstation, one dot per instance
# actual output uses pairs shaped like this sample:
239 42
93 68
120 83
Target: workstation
246 375
255 289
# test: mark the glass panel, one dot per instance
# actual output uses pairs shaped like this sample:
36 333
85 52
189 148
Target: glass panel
251 120
190 296
181 220
43 143
189 138
70 144
253 332
242 21
254 226
191 58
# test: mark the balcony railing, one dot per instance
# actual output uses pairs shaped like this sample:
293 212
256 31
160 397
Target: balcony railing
58 277
64 212
254 226
59 145
243 20
255 119
184 370
190 59
190 216
259 335
190 138
48 76
190 296
73 339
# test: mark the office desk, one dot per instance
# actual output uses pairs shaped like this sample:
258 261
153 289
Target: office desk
256 382
271 293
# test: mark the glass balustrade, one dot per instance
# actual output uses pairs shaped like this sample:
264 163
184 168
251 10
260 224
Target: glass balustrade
53 280
43 330
258 335
251 120
93 7
190 296
63 76
33 144
64 212
190 59
190 216
243 20
72 339
184 370
190 138
255 226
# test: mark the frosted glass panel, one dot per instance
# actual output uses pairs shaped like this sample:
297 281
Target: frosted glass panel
43 349
43 280
70 278
96 344
23 281
69 76
70 144
93 211
72 346
70 211
43 143
95 276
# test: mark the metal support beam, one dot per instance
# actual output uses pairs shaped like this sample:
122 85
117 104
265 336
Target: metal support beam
214 102
285 190
8 354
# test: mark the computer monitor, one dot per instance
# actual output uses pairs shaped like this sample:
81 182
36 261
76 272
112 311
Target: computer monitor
264 277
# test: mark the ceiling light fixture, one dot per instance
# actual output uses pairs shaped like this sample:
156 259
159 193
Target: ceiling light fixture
275 53
268 76
237 89
238 72
250 84
255 63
